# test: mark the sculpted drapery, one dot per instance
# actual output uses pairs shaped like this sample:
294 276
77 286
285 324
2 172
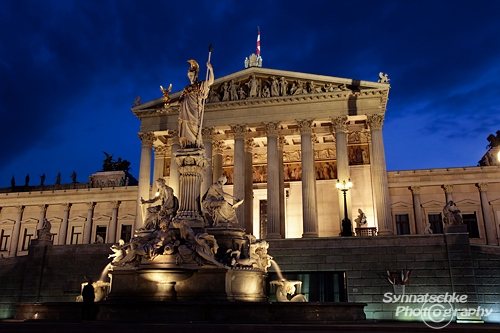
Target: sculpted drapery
191 107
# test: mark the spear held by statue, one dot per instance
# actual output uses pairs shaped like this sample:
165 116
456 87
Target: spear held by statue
210 48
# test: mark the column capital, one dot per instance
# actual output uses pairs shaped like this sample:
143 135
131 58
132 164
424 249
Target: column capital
19 209
174 135
281 142
272 128
483 187
414 189
90 205
116 204
305 125
239 131
249 143
43 208
66 205
447 188
162 150
218 146
340 124
208 133
147 138
376 121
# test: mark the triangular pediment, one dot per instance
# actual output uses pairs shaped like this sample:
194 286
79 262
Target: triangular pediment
256 86
30 220
78 218
7 221
102 218
127 217
433 204
401 205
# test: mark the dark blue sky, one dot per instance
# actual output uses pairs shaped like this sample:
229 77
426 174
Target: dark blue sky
70 71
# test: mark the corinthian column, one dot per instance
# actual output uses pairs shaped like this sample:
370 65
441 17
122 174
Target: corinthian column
87 229
111 236
379 176
174 168
248 204
64 226
340 130
309 203
208 135
273 195
43 210
239 169
489 223
17 230
217 149
417 210
448 190
159 165
281 147
147 140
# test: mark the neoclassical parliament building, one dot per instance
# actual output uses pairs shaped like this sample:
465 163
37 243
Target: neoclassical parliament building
284 140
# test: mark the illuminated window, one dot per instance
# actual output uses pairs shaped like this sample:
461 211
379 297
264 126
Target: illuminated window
403 224
126 232
436 223
26 239
4 239
76 233
471 221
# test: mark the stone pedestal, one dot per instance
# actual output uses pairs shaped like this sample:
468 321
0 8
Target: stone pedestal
192 165
455 229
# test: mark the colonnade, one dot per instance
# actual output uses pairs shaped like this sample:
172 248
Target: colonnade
243 180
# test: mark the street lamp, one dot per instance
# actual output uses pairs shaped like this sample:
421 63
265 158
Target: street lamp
346 223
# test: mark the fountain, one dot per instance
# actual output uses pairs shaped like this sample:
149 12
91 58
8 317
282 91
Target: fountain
191 248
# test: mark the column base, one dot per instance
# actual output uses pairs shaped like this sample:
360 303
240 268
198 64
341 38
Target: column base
385 232
273 236
310 235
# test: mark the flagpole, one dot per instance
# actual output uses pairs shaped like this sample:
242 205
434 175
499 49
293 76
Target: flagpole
210 48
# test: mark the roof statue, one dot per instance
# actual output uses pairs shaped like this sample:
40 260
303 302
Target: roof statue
383 78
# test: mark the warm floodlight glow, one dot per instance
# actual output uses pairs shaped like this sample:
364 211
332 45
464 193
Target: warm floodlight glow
498 156
157 194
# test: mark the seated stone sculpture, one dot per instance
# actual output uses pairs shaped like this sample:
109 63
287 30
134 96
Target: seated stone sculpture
452 215
215 204
165 211
361 219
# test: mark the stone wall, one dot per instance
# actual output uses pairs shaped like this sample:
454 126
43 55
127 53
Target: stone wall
440 263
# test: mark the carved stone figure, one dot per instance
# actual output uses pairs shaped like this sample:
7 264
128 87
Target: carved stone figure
253 85
257 257
283 86
275 91
285 288
383 78
233 90
42 179
452 215
163 212
215 204
428 229
361 219
200 248
58 179
44 232
191 106
148 246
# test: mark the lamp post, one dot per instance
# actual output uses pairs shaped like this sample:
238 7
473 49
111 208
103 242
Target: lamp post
346 223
